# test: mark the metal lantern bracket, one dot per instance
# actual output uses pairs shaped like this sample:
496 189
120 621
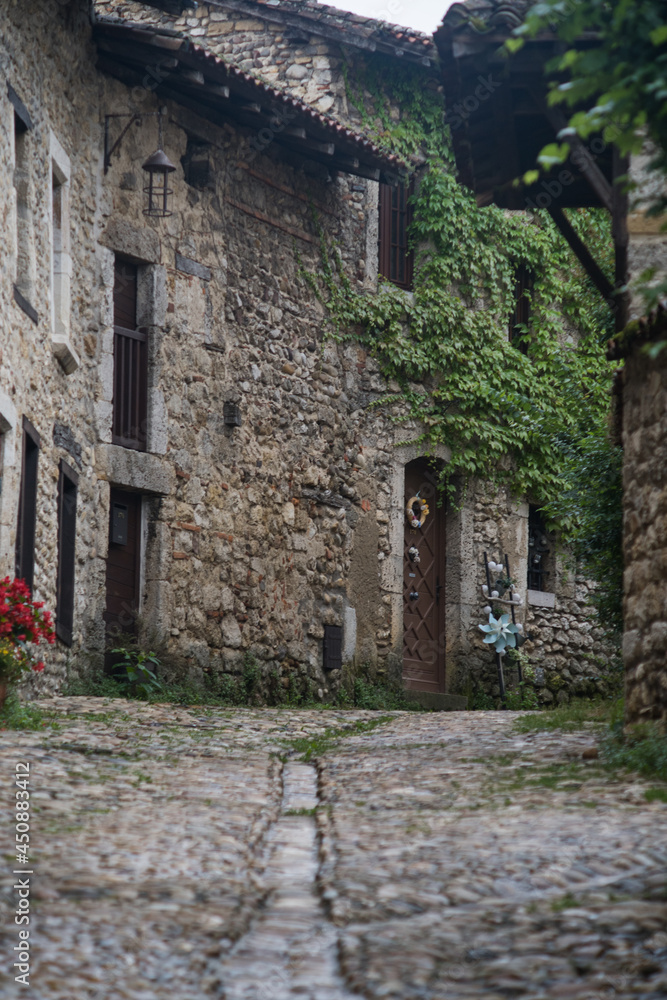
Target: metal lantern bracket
135 118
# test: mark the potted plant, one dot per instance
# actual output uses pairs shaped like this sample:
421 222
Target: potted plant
23 624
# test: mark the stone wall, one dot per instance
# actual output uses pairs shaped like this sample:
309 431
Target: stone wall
566 653
645 536
46 372
244 554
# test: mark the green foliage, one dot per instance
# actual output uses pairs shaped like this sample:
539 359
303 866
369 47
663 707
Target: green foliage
16 714
618 88
377 697
656 794
522 698
134 674
504 415
578 714
643 749
309 747
592 518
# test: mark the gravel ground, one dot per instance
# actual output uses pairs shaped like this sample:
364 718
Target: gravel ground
187 853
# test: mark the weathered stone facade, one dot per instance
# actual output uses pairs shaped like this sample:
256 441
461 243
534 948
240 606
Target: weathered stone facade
243 553
643 424
645 530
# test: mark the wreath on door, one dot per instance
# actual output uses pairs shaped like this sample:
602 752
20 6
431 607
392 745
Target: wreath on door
416 519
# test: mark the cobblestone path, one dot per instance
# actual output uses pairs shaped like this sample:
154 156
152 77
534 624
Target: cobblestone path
189 853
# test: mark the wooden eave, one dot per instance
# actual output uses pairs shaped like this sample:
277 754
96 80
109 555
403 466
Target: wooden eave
198 80
499 140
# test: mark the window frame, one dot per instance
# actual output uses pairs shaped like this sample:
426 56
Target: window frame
130 378
26 525
68 486
388 249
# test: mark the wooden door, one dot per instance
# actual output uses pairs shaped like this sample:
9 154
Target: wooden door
123 567
424 587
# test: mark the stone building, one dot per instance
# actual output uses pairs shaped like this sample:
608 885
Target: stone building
468 42
185 454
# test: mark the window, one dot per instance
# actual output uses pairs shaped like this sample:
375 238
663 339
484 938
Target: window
521 314
539 551
395 259
27 520
130 384
24 280
60 248
67 493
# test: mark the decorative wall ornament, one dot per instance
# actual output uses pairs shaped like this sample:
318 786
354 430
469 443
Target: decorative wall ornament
416 520
500 632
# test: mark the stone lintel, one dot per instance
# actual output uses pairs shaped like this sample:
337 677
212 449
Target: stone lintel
142 245
136 470
540 599
193 267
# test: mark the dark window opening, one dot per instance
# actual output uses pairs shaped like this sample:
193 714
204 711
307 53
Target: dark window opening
67 495
396 260
332 647
197 165
130 382
27 519
539 551
519 324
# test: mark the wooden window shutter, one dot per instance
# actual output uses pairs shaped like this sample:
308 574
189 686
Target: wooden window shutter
130 383
333 647
67 497
395 260
27 519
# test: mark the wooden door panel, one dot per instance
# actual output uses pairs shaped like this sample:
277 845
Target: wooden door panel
123 572
424 614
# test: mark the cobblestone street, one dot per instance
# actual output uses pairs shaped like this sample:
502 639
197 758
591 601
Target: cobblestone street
186 853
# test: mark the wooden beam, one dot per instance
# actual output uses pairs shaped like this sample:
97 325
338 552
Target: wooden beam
583 254
588 167
619 231
296 133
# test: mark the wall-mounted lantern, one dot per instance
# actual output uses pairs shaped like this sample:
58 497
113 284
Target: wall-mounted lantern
158 166
232 414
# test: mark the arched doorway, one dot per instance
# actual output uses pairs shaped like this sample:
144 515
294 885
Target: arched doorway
424 585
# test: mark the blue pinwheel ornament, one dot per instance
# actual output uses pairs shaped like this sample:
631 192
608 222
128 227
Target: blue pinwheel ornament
500 632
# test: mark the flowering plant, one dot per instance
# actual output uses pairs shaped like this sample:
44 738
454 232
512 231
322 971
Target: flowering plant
22 623
500 632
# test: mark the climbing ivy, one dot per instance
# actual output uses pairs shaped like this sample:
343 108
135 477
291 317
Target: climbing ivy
505 415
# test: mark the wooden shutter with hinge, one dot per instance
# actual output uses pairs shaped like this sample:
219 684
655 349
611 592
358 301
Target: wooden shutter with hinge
27 519
67 496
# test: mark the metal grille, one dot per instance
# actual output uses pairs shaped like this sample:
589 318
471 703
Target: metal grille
538 551
130 388
395 260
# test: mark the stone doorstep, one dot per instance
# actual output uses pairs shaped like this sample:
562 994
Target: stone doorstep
437 702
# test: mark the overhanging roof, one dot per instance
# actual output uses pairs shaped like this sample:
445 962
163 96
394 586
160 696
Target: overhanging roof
339 26
497 110
197 79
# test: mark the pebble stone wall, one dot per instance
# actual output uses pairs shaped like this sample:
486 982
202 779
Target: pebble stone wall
241 556
645 536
